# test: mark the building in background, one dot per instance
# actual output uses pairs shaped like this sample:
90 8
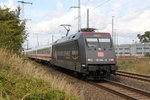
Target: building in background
137 49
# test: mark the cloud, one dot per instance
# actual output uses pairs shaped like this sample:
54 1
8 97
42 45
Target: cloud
52 14
68 18
9 4
134 22
58 12
50 26
116 9
130 22
93 0
59 6
127 26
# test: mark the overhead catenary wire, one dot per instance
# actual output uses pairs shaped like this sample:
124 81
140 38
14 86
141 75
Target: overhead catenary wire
101 4
118 8
106 2
136 11
91 10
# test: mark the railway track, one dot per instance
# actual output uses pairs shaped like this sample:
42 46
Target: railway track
123 91
134 76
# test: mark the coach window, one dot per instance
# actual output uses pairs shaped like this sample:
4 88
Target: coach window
146 48
139 48
92 42
126 48
139 52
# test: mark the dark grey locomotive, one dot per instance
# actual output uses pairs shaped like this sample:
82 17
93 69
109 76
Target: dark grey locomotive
86 53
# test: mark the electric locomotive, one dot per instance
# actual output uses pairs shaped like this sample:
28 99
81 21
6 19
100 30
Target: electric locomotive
87 53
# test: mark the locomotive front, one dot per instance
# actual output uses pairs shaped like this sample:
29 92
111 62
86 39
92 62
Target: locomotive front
98 55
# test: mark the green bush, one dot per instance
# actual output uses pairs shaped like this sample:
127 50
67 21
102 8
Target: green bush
147 55
14 88
12 29
50 95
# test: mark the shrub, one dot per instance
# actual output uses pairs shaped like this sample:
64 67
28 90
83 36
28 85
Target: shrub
147 55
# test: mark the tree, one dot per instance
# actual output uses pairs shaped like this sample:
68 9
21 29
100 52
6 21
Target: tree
12 29
145 37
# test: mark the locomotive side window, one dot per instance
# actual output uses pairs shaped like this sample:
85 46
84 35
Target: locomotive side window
105 42
92 42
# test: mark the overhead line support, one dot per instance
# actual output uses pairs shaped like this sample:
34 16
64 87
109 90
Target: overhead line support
23 2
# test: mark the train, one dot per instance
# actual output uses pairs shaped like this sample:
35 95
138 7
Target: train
86 53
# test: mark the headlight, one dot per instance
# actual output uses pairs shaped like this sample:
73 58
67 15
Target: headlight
83 65
112 59
90 60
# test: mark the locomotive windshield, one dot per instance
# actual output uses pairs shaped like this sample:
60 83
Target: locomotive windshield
104 42
98 42
92 42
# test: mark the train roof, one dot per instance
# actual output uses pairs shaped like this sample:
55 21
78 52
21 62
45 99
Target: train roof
77 35
87 30
38 48
70 37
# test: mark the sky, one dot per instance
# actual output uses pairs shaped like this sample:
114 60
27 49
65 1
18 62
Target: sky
44 17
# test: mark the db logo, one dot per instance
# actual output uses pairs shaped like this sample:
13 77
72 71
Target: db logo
100 54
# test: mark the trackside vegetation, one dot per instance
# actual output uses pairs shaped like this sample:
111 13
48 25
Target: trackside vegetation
147 55
139 66
144 38
12 29
21 79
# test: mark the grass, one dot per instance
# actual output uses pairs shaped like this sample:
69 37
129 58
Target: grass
138 66
21 79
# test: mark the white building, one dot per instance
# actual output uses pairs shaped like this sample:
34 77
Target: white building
137 49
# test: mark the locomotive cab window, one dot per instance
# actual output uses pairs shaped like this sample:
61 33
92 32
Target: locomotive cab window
107 40
92 42
105 43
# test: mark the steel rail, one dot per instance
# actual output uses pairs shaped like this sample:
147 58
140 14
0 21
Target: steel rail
123 95
134 77
145 93
113 91
144 76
